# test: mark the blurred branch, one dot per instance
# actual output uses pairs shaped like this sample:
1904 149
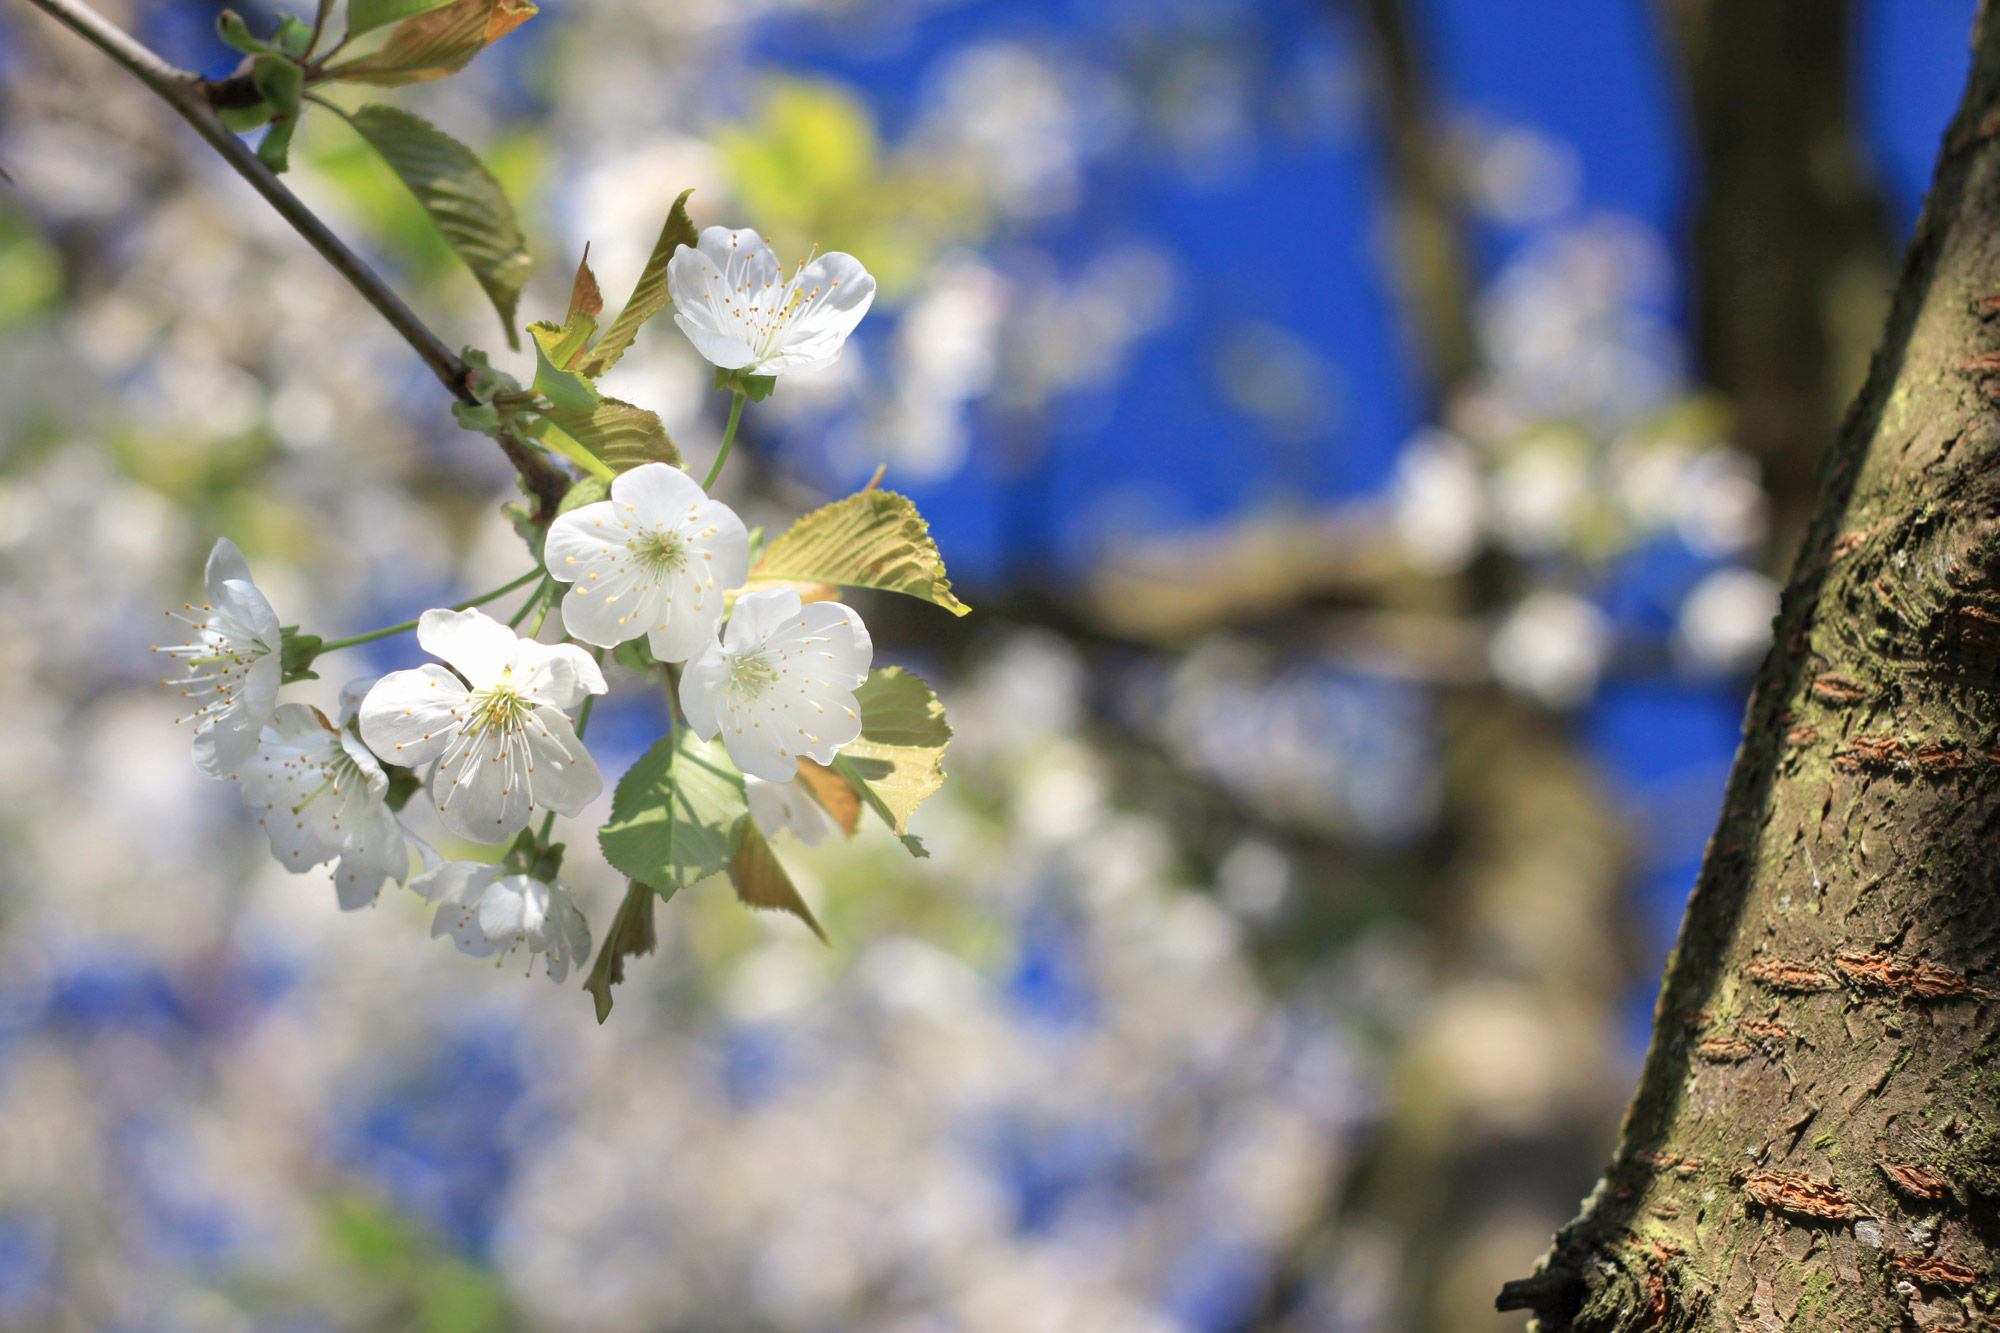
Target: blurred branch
1428 230
1792 254
190 95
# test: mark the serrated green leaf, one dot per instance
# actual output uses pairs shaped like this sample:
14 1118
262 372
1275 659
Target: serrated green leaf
869 797
650 296
674 816
554 437
368 15
631 934
569 391
761 880
872 539
587 491
621 435
898 760
274 150
462 198
441 42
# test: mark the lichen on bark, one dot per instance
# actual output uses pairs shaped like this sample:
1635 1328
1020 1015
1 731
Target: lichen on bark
1814 1142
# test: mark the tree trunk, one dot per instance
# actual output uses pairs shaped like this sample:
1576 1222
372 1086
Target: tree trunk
1814 1141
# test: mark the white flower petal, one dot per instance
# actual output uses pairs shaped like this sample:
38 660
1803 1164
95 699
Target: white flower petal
409 717
479 792
702 683
558 675
756 615
653 491
228 738
474 642
787 805
225 562
564 778
456 883
718 349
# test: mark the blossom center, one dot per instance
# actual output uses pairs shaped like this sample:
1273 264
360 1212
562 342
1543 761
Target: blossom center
750 675
499 708
659 552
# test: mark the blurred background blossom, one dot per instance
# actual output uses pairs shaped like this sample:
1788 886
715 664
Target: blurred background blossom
1332 409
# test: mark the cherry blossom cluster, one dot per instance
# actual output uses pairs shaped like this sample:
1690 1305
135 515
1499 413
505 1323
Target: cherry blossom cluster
492 731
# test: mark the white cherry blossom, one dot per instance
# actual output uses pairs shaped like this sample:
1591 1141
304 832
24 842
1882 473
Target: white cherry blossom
780 683
782 805
487 911
235 663
732 299
654 559
502 744
319 794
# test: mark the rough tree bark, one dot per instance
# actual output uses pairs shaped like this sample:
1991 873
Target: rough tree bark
1814 1141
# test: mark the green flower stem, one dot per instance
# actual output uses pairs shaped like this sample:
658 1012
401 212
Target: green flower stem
728 438
534 600
480 600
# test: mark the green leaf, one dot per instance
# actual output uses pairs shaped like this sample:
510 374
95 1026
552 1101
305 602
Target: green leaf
899 759
635 656
368 15
587 491
462 198
650 296
293 36
274 150
443 41
631 934
403 784
297 652
569 391
243 119
674 815
282 83
754 387
621 435
762 882
872 539
231 28
847 769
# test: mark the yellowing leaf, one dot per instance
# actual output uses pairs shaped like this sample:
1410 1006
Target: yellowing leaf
674 816
631 934
460 195
873 539
617 433
437 43
554 349
368 15
585 297
762 882
899 759
835 793
649 297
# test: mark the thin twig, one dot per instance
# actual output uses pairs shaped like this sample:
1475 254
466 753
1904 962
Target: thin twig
188 94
